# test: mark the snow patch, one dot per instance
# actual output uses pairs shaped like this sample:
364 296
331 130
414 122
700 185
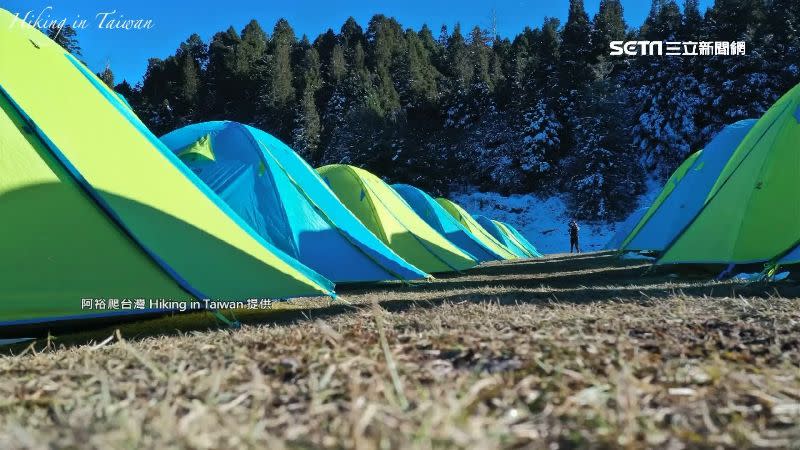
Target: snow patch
542 221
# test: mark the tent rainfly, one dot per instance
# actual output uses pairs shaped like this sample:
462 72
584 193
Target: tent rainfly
390 218
751 213
465 219
431 212
686 191
285 201
81 221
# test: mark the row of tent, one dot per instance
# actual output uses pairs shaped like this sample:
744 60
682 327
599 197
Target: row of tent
94 206
734 202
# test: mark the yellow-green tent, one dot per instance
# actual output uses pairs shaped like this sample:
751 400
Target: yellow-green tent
94 207
390 218
475 228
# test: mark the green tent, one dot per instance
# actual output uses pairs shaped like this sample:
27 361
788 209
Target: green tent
94 207
518 239
393 221
685 192
669 186
751 213
476 229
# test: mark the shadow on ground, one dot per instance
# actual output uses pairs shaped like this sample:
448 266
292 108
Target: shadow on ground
578 279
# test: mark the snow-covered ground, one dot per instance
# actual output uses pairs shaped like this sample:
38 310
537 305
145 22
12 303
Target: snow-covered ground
544 221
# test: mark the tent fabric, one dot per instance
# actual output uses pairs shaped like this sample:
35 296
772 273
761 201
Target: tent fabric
475 228
510 243
665 192
625 228
751 213
434 215
278 194
87 171
519 238
393 221
685 192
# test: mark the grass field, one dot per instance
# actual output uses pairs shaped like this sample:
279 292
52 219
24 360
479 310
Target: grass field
558 352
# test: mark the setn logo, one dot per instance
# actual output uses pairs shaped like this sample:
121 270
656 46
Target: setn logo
636 48
677 48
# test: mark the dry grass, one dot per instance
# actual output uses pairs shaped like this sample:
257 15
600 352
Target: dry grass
585 351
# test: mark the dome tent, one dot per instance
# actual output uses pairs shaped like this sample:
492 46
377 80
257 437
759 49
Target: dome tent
277 193
686 191
81 221
510 243
436 216
750 214
624 229
517 239
390 218
521 239
475 228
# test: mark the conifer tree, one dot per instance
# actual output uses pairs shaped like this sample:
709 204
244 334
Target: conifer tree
279 95
576 49
308 128
107 76
66 37
609 25
547 110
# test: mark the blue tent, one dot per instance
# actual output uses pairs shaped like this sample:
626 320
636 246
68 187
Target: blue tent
624 229
443 222
522 240
284 200
657 229
494 229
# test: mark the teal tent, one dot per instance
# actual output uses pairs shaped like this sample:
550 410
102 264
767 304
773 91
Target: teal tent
443 222
526 244
280 196
499 231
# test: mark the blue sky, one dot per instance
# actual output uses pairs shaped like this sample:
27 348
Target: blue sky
127 51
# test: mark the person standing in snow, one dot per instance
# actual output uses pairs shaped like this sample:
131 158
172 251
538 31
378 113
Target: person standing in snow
573 236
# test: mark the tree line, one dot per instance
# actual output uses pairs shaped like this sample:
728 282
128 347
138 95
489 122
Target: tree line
547 111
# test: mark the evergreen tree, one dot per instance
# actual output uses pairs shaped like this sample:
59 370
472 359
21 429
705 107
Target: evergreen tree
107 76
547 110
609 25
549 55
692 19
250 71
126 90
460 71
223 88
308 128
386 42
606 177
541 140
669 97
576 49
66 37
279 94
418 78
664 22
